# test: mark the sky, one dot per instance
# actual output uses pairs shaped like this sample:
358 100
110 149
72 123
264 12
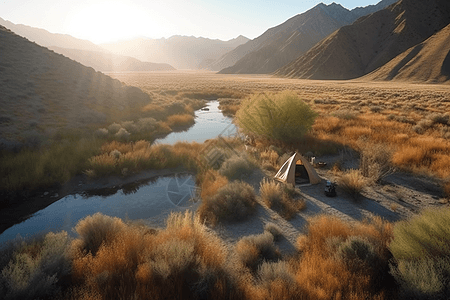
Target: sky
103 21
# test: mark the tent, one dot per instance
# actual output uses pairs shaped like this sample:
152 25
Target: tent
297 170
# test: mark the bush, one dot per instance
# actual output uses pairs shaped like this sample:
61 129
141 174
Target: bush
273 229
279 117
236 167
423 279
422 252
376 162
31 270
253 250
232 202
360 256
96 230
425 235
280 198
352 182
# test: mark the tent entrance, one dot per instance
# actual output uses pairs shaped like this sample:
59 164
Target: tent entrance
301 174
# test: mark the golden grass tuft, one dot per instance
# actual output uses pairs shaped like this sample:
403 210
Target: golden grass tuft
277 197
180 120
352 182
322 276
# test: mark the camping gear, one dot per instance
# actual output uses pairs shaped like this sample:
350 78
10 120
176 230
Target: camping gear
330 189
297 170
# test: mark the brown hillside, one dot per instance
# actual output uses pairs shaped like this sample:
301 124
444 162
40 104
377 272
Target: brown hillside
426 62
282 44
372 41
41 92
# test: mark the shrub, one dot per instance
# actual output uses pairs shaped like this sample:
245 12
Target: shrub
31 270
122 134
273 229
360 256
280 198
352 182
423 279
279 117
322 276
114 128
427 234
95 230
375 162
232 202
236 167
180 120
101 132
253 250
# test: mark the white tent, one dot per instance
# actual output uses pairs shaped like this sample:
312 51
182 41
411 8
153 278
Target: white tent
297 169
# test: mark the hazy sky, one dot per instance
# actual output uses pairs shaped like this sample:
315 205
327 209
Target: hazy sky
103 21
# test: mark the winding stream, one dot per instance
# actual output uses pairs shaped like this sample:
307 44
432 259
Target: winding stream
152 198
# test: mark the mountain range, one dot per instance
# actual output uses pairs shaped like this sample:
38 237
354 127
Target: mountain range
107 62
282 44
182 52
373 41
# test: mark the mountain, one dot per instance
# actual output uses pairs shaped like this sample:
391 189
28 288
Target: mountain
47 39
426 62
372 41
182 52
282 44
42 92
106 62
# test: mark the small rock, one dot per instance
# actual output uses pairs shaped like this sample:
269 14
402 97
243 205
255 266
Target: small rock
55 195
46 193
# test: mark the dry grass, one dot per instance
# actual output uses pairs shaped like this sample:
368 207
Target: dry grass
180 120
323 276
277 197
352 182
235 201
136 264
137 156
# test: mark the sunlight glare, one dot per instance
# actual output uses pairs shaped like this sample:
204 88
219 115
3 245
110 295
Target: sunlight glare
103 21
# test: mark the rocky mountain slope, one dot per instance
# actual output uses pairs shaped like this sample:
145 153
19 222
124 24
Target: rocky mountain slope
372 41
282 44
42 92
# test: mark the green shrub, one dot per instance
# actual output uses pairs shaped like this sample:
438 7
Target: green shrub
423 279
421 247
31 270
232 202
279 117
427 234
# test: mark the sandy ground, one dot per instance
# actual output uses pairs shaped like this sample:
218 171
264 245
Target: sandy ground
397 197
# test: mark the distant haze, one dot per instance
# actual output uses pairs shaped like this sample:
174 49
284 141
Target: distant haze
103 21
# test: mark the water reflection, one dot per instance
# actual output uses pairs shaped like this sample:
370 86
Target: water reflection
138 200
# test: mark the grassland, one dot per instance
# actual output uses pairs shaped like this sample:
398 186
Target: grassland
412 121
389 124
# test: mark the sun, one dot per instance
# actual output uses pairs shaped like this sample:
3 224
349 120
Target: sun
107 21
